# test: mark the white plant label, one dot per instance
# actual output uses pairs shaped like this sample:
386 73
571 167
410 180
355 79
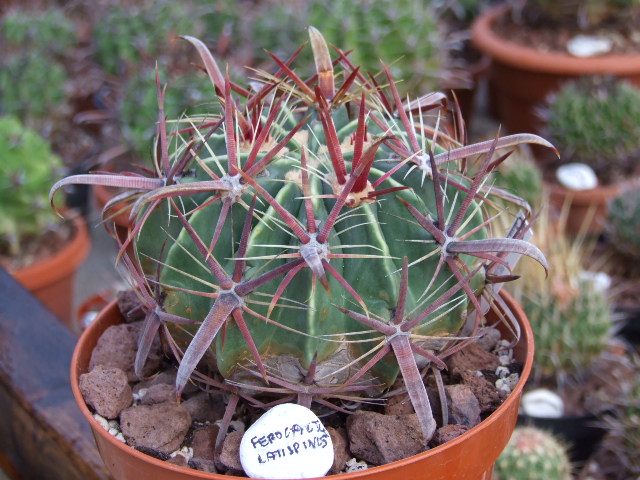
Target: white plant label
289 441
542 403
584 46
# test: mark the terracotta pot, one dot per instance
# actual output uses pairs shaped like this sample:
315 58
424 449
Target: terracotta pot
52 279
521 77
470 456
587 209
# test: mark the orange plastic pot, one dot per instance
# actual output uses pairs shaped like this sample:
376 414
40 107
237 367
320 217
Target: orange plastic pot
52 280
521 77
468 457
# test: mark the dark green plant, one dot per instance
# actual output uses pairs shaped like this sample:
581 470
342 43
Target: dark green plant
48 31
533 454
313 237
597 121
623 223
27 170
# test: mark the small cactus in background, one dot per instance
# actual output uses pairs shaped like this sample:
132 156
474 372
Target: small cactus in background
138 108
33 75
27 169
570 311
533 454
313 237
596 121
623 223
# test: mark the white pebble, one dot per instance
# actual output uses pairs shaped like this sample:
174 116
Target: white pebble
588 46
502 372
120 437
600 280
504 359
542 403
577 176
289 441
139 395
186 452
104 423
355 466
114 431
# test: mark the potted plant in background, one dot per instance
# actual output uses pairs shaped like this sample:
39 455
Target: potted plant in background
530 43
41 252
580 367
289 234
595 124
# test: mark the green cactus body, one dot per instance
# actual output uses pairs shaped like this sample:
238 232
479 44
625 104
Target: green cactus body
571 330
27 169
383 232
533 454
623 223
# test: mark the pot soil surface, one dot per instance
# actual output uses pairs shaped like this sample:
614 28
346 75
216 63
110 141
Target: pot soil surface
144 413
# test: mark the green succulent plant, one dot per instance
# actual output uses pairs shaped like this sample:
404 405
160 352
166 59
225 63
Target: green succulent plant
27 170
533 454
521 176
44 31
128 38
622 224
138 109
597 121
310 239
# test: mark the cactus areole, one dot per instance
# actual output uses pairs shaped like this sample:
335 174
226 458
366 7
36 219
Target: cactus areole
313 238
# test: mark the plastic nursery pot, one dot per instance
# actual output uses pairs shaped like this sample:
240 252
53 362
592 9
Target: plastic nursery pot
468 457
521 77
52 280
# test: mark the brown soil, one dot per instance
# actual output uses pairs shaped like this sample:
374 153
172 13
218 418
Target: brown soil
35 249
553 37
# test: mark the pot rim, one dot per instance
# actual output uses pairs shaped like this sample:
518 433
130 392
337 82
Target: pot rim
526 342
516 55
61 263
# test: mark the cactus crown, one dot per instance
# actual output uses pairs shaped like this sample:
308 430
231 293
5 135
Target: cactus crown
597 121
316 237
570 312
533 454
28 166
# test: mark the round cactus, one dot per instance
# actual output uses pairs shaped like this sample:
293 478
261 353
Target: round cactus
623 223
313 239
27 169
533 454
597 121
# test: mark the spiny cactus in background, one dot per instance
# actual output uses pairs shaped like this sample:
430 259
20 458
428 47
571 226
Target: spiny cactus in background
27 168
33 77
315 237
570 311
533 454
623 223
138 108
597 121
406 33
127 38
521 176
585 13
45 31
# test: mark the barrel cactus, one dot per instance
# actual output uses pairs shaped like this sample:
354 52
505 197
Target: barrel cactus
533 454
312 239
